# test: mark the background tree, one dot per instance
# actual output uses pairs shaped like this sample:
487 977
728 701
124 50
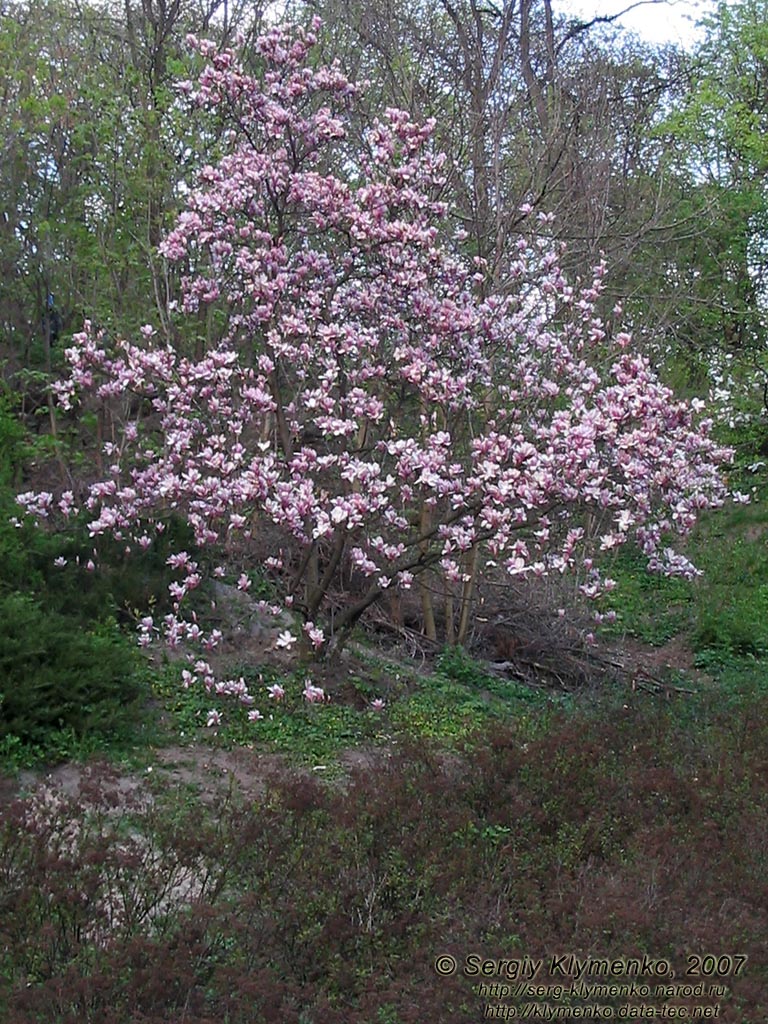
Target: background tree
532 106
94 153
722 127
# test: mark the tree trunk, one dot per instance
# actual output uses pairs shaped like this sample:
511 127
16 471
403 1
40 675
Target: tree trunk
467 593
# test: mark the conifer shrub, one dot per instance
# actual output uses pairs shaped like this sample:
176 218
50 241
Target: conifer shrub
47 564
66 670
11 436
56 676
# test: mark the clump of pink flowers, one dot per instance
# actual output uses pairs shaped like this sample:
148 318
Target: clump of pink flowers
314 694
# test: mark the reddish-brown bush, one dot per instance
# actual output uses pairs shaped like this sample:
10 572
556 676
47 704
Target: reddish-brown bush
610 838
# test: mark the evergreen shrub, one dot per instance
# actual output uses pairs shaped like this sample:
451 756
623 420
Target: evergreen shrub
56 676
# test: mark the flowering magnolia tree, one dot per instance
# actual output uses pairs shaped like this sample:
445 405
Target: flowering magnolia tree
368 397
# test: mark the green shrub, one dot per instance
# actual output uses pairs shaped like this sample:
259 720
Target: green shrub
56 677
11 437
124 585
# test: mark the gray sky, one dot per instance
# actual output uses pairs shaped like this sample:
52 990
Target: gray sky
670 22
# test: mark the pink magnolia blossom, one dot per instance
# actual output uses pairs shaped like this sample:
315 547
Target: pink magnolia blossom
315 635
314 694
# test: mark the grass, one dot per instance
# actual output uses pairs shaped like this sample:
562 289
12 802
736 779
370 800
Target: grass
723 614
652 609
454 704
456 701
